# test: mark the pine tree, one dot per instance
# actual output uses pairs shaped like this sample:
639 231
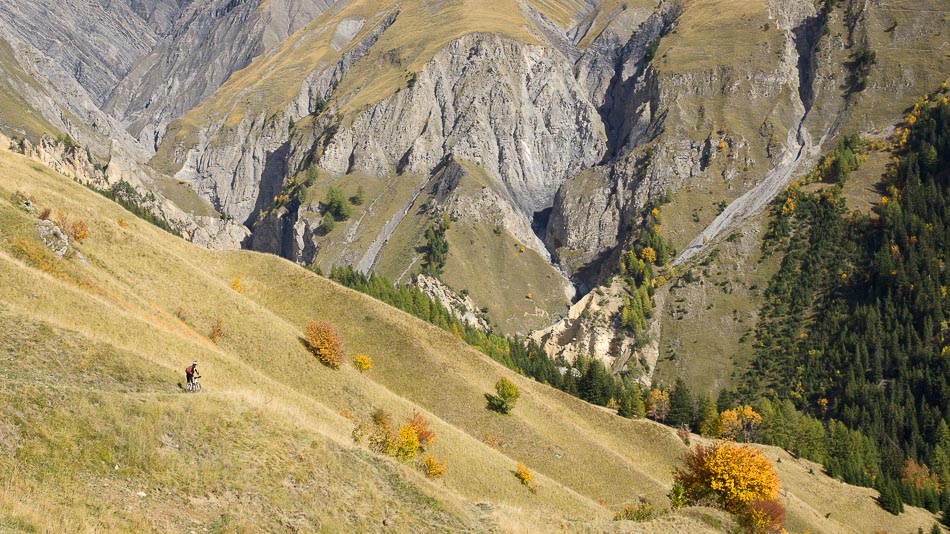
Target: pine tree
595 384
890 498
632 406
681 404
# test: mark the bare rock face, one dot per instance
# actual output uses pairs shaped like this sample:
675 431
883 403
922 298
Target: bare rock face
98 42
530 127
590 329
73 162
212 40
462 306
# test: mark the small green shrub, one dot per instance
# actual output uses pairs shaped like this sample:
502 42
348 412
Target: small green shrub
507 395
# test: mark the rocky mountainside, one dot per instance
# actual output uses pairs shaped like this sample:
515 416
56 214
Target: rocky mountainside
539 129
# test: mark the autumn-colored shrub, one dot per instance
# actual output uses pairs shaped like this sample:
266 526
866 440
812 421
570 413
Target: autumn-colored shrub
404 443
62 221
121 223
734 476
216 330
763 517
362 362
491 440
325 343
432 467
382 440
523 474
420 424
919 476
78 230
236 284
739 422
658 404
648 254
642 511
506 395
44 214
407 443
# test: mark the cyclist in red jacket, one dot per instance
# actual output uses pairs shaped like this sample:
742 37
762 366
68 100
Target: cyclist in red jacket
191 371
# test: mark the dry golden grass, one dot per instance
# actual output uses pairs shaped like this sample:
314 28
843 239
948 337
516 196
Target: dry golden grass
89 382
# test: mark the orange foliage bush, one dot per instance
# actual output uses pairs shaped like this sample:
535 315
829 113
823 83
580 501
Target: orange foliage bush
78 230
919 476
764 517
407 443
325 343
432 467
733 475
648 255
236 284
216 330
420 424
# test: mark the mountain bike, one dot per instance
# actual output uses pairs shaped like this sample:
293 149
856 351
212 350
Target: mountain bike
194 386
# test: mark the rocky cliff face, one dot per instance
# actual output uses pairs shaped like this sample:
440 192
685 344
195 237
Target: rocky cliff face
211 40
73 162
549 123
530 127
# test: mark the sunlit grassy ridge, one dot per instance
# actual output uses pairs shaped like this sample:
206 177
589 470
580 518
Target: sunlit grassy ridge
91 417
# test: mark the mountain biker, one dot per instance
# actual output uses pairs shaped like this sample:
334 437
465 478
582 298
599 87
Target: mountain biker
191 372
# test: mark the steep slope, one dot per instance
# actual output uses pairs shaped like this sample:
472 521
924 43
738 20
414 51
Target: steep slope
95 436
211 40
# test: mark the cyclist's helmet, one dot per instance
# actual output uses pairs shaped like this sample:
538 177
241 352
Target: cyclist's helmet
194 363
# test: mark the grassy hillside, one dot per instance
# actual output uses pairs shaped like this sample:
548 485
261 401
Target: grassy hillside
95 435
17 117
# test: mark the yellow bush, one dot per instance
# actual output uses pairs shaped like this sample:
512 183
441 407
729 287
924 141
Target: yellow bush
658 404
523 474
734 475
432 467
362 362
325 343
407 443
236 284
648 255
741 420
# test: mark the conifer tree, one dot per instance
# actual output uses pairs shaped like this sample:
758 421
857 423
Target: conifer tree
681 404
